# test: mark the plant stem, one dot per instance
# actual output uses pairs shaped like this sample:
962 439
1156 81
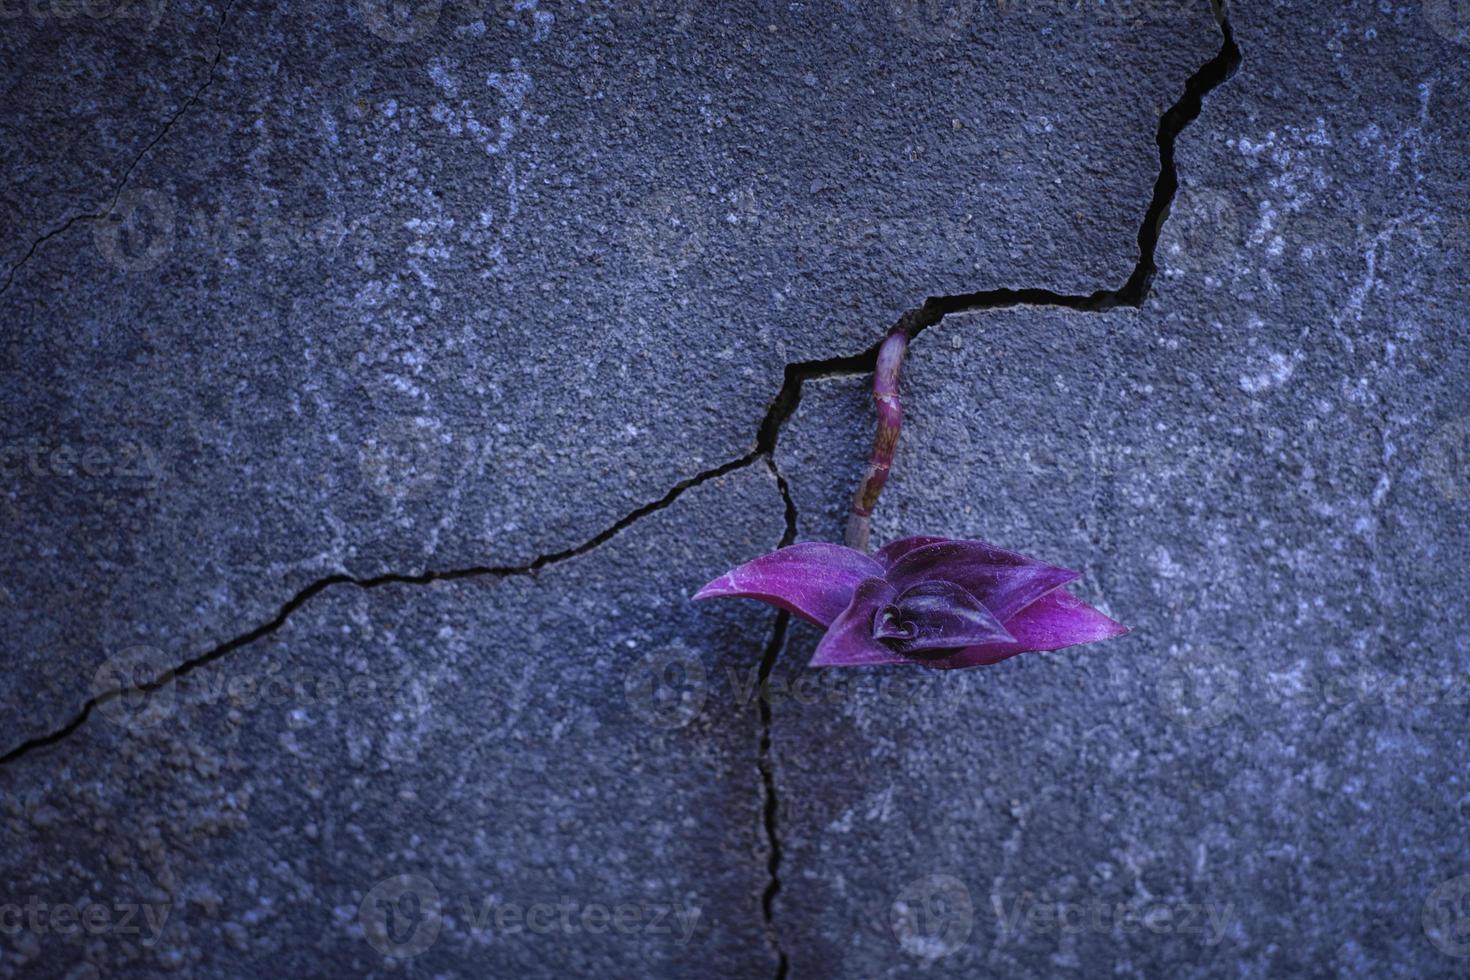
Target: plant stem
890 420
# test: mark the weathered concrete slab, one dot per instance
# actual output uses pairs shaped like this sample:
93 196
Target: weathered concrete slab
469 287
90 84
442 287
568 740
1264 474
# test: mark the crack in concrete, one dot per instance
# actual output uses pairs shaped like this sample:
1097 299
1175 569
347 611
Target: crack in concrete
777 414
219 50
1132 293
934 309
425 577
770 804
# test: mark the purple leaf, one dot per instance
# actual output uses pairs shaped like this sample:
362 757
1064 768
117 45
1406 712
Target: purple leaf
894 550
1056 620
935 617
849 641
1003 580
813 579
922 600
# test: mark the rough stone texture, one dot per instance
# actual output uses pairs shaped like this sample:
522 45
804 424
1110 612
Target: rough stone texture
468 289
90 86
512 742
378 305
1264 474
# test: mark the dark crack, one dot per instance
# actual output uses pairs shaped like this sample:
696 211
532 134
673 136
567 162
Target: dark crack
425 577
1132 293
777 414
219 50
771 804
771 801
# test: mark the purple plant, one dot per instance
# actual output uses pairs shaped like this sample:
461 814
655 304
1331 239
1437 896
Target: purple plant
931 601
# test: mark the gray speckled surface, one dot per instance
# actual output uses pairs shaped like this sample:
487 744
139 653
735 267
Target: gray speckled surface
512 743
469 288
471 297
1263 474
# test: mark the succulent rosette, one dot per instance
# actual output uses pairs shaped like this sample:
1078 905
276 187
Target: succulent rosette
931 601
936 602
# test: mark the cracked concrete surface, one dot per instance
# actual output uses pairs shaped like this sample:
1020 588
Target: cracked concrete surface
1262 472
484 313
465 732
343 318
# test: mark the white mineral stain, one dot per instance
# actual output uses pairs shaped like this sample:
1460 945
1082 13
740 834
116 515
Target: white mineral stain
439 74
1277 371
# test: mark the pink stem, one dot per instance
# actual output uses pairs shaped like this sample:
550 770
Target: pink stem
890 420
